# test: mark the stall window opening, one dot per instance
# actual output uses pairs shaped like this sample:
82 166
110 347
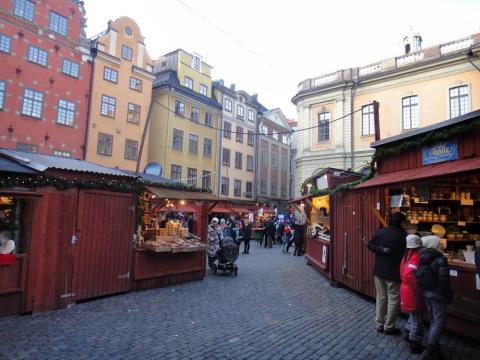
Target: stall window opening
12 223
410 112
459 100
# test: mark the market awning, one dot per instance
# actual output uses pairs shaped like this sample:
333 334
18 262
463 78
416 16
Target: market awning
171 194
179 208
221 209
426 172
239 209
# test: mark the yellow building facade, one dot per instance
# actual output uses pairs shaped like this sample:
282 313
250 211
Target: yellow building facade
184 115
416 89
120 97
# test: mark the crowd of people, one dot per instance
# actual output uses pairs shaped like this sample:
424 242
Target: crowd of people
412 275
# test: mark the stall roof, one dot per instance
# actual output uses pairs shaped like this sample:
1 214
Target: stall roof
239 209
426 172
181 194
40 162
221 210
7 165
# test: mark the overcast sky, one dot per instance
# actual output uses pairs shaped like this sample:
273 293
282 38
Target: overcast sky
269 46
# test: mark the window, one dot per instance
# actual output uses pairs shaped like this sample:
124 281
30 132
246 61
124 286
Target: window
176 172
263 130
177 142
249 163
238 160
251 138
227 130
239 134
131 149
37 56
274 160
251 115
284 191
410 113
105 144
179 108
133 114
128 31
26 147
368 125
195 114
203 89
127 53
110 74
273 190
275 135
263 157
3 88
207 147
459 100
5 43
228 105
58 23
188 82
226 157
263 186
108 106
192 176
284 163
206 179
285 139
240 111
66 112
136 84
24 9
193 144
323 129
249 189
196 62
237 187
70 68
208 119
62 153
225 185
32 103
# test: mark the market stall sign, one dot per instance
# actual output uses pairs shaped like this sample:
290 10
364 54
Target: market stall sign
440 152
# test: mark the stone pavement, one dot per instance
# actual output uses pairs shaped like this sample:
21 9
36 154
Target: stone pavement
277 308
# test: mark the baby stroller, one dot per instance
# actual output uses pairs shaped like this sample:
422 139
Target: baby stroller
226 256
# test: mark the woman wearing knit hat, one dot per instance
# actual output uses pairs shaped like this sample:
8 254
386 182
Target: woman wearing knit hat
433 277
410 297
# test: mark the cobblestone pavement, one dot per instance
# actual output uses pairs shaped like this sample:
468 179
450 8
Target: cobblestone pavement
277 308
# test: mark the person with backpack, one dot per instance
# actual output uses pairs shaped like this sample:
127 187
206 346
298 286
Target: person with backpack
388 245
410 297
433 278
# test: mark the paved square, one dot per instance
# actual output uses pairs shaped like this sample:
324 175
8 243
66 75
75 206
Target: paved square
277 308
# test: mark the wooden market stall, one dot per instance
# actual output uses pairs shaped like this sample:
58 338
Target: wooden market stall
431 174
318 206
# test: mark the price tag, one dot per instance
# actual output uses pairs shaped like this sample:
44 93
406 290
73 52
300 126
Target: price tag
462 223
466 202
453 273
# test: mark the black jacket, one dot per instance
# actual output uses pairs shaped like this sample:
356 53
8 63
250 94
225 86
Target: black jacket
247 232
387 265
440 289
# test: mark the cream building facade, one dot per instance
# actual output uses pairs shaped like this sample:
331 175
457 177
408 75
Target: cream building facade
120 97
416 89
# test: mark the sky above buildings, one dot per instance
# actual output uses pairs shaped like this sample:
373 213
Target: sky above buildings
269 46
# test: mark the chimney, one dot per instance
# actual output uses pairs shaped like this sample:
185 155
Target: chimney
232 87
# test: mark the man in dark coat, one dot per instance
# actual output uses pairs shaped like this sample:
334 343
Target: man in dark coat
247 236
269 228
388 245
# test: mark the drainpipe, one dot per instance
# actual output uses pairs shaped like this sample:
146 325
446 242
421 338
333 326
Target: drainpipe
219 152
352 125
93 53
144 134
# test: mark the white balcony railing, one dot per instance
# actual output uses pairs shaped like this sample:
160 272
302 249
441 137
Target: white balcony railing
369 69
455 46
409 59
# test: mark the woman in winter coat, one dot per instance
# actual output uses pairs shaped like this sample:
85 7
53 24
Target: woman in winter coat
410 297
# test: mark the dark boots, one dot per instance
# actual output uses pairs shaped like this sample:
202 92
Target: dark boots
433 353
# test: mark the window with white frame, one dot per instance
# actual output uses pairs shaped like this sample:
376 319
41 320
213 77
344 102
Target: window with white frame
5 43
127 53
192 176
228 104
136 84
238 160
58 23
251 115
410 112
24 9
131 149
196 63
249 189
177 141
251 138
108 106
285 139
275 135
323 126
459 99
3 88
193 144
176 172
225 157
237 188
206 179
225 186
239 134
207 147
37 56
203 89
188 82
110 74
240 111
249 163
195 114
133 113
66 112
368 123
263 130
208 119
70 68
32 103
179 108
227 130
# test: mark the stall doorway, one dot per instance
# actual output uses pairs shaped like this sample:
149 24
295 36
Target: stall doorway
105 226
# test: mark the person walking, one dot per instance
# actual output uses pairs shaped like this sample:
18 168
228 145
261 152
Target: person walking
247 236
215 237
298 235
269 229
433 277
410 297
287 238
388 245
